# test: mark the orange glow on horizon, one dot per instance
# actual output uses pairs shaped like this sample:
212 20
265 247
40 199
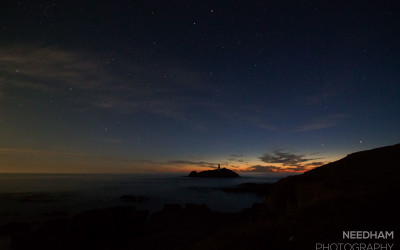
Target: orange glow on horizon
18 160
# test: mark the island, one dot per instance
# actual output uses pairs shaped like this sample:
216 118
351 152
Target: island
216 173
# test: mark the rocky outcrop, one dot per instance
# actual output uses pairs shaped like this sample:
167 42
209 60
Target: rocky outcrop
217 173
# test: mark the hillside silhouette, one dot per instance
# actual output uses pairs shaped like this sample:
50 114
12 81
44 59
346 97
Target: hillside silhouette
370 173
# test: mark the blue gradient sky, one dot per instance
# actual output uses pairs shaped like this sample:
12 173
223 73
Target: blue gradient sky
153 86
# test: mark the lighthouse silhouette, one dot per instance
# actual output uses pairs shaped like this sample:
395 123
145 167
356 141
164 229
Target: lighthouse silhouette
219 167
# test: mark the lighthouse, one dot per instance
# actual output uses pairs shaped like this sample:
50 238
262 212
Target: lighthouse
219 167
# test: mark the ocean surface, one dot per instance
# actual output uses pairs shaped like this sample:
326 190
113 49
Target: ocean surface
30 197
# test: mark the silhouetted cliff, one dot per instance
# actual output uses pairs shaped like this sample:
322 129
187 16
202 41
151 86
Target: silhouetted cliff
367 173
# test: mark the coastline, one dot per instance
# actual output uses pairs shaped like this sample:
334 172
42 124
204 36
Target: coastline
298 213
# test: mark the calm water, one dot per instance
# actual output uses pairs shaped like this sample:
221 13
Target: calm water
35 196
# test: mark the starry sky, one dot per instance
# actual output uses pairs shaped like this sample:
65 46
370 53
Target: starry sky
174 86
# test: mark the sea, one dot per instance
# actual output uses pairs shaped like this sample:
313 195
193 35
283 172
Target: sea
36 197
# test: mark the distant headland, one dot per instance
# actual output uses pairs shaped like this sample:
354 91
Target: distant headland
216 173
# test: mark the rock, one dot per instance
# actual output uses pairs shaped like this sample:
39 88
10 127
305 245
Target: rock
217 173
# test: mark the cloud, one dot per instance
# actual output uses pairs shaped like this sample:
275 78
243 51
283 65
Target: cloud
163 88
271 169
52 69
284 158
322 122
237 158
306 166
131 164
316 163
263 169
49 69
285 162
47 153
192 163
158 88
298 168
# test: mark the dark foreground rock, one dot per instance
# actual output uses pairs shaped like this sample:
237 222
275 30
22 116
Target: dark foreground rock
94 229
174 227
217 173
178 227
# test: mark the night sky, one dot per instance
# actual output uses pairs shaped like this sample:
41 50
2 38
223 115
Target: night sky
158 86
